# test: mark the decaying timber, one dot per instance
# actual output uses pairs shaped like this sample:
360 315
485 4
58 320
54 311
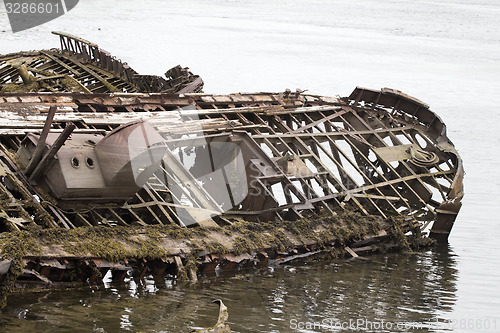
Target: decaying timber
171 183
81 66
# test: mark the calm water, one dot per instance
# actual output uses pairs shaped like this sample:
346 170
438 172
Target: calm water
396 288
446 53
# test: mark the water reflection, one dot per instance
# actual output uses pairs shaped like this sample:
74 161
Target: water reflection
392 287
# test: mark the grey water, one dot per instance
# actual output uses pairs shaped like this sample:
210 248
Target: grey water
446 53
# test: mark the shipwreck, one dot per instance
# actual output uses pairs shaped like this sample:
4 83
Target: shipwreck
106 171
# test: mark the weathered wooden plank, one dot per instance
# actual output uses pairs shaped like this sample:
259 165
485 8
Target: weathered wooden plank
37 154
47 158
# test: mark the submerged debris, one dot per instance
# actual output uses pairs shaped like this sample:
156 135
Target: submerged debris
184 184
220 326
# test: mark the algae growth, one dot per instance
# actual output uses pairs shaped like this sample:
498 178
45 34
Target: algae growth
118 242
329 234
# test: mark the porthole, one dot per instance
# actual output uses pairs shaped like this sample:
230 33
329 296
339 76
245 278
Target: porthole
75 162
90 162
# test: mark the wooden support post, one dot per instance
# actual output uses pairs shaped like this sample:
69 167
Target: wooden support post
24 74
178 263
37 154
52 152
192 275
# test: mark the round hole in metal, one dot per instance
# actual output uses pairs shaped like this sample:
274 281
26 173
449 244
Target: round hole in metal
75 162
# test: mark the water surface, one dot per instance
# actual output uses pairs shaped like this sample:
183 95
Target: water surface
396 288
